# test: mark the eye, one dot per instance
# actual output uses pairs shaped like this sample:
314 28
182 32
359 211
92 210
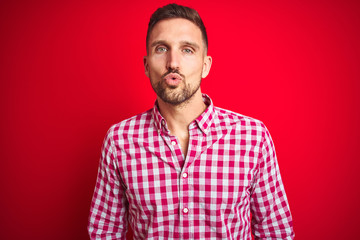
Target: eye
188 51
161 49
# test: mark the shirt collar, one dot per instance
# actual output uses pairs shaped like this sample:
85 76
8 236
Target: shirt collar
203 122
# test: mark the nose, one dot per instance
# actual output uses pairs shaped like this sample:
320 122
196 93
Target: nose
173 60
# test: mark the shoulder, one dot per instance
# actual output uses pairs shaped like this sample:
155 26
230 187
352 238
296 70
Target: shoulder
245 127
239 122
131 126
231 118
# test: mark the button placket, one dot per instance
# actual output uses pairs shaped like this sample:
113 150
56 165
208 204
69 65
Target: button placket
184 177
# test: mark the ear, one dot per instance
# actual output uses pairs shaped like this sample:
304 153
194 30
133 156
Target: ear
206 66
146 66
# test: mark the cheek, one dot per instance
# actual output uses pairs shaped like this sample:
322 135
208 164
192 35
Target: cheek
194 68
155 72
156 65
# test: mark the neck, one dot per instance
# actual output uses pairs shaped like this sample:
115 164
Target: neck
179 117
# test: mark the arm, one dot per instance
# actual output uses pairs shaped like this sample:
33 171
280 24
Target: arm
269 206
108 212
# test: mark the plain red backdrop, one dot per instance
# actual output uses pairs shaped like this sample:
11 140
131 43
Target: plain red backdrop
70 69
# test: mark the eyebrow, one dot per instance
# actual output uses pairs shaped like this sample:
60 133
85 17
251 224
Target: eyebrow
192 44
188 43
158 42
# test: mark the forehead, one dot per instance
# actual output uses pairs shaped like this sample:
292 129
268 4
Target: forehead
175 30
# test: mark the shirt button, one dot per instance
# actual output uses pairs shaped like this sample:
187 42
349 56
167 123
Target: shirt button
185 210
173 143
184 175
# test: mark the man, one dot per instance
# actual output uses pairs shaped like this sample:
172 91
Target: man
186 169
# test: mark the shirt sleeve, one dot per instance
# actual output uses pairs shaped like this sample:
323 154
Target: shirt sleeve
271 217
108 212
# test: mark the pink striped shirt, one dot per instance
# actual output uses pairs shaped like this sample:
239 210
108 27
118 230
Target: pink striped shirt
230 173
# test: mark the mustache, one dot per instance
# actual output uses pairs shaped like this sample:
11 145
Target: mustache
173 71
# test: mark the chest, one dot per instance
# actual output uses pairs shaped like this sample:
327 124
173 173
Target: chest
212 173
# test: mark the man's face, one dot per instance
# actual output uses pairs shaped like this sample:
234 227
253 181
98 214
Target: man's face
176 61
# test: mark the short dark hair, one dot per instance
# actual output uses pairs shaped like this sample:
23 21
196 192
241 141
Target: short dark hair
176 11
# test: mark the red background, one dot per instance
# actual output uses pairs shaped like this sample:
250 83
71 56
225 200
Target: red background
70 69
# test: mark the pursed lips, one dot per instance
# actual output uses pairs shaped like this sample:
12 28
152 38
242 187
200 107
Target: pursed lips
173 79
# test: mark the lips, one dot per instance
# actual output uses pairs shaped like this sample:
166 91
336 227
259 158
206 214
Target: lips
173 79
